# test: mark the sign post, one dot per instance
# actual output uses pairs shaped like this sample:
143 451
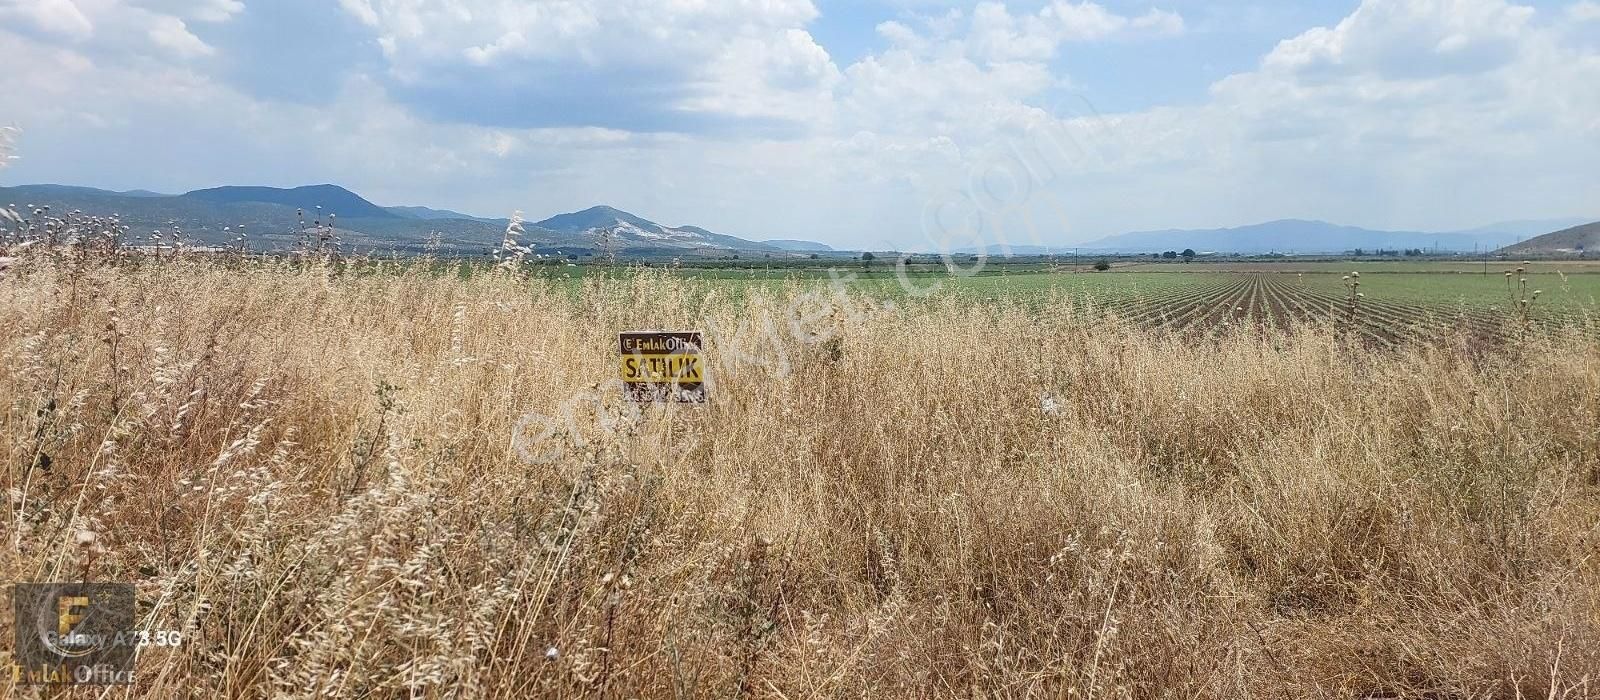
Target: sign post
663 366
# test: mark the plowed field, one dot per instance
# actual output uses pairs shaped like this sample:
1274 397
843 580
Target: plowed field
1281 301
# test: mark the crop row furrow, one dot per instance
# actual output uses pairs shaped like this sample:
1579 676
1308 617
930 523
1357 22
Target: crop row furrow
1198 306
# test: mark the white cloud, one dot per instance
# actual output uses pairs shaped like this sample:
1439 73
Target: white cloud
1412 114
59 17
1159 22
362 9
976 74
1411 39
1407 113
789 77
196 10
738 58
124 28
1087 21
173 35
1585 11
996 34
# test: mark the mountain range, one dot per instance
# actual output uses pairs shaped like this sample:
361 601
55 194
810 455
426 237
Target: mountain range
1301 236
272 217
1578 239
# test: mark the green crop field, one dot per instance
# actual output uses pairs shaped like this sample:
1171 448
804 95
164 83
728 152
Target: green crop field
1566 288
1398 300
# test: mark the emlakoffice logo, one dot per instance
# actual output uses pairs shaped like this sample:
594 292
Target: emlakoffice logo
78 633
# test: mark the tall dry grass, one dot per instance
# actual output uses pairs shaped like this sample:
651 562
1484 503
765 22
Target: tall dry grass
314 473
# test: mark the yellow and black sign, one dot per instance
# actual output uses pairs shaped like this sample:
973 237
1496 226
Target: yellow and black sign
663 366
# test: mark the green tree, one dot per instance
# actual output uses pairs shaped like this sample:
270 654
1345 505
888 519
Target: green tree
1102 265
1188 254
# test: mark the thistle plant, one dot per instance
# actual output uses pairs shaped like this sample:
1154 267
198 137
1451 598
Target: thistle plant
607 239
240 240
74 235
511 252
1352 285
177 239
1523 303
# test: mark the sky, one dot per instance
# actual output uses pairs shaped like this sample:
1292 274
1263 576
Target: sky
911 124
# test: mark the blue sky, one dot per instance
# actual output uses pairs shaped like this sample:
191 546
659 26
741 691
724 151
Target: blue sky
866 123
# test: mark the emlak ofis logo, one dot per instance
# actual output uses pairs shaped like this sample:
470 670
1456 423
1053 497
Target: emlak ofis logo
74 633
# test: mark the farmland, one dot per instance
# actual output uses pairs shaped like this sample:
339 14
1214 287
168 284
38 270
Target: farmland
407 483
1398 301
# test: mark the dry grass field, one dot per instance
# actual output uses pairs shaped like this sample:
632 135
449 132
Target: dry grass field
401 484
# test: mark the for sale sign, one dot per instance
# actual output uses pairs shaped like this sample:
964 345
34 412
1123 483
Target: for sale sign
663 366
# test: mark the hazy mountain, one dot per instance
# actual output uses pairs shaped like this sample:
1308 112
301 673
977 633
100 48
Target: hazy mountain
591 218
1527 228
204 216
1296 236
142 213
627 230
1003 250
429 214
799 246
43 191
270 216
1578 239
332 199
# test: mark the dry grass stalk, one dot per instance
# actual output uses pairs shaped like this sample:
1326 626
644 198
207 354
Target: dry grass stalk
887 511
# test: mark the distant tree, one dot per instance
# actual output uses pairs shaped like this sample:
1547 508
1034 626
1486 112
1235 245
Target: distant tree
1170 255
1102 265
813 256
866 260
1188 254
1359 252
1155 256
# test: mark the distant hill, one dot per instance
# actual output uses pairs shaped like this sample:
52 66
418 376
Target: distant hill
332 199
1296 236
1518 230
591 218
799 246
76 191
631 231
429 214
1292 236
215 218
1578 239
269 216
